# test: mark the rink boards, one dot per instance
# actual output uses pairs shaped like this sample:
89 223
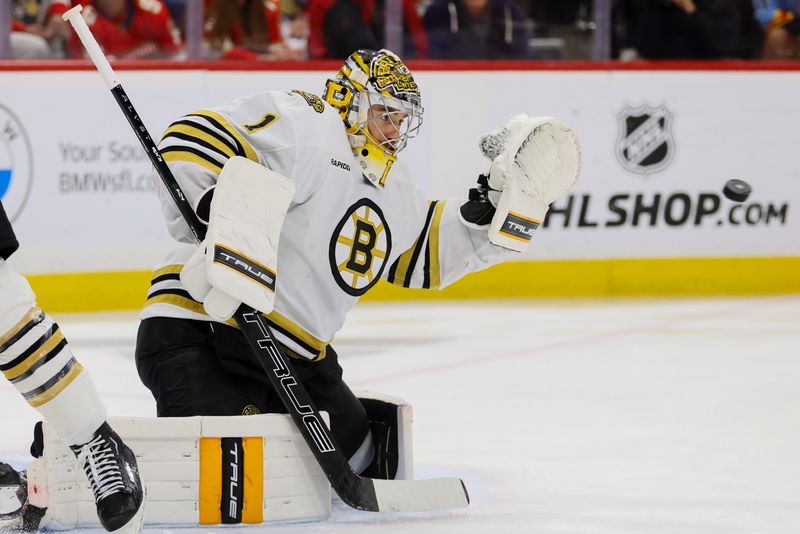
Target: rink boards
647 216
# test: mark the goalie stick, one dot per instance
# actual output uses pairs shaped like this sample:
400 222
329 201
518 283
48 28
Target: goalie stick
356 491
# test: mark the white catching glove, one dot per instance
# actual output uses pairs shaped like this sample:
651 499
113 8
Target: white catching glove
237 262
535 160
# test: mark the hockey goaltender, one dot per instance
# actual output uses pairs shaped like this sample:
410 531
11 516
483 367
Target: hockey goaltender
305 212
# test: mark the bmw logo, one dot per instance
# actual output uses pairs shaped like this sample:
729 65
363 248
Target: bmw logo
16 164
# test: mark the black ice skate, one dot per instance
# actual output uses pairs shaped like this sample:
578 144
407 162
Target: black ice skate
112 472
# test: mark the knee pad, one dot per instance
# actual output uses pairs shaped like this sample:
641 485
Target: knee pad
390 421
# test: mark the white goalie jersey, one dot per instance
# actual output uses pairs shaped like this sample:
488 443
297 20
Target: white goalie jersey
341 234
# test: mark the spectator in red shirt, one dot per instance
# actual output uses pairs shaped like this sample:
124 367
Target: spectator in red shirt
246 29
130 29
38 31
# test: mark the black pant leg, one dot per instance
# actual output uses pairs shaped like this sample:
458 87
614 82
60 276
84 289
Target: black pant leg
324 382
199 368
176 359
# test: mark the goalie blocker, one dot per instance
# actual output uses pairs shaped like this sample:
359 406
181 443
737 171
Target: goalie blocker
216 470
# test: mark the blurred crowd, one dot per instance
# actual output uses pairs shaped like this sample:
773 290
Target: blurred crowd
436 29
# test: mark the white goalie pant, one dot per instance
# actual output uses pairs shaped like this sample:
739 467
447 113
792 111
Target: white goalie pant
203 471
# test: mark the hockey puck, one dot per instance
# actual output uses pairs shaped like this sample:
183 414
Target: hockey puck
736 190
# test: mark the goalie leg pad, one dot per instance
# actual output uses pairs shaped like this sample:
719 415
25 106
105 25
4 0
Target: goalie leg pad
197 471
390 421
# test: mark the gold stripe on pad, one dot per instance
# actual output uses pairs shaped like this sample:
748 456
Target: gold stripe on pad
253 509
59 386
28 317
512 236
210 481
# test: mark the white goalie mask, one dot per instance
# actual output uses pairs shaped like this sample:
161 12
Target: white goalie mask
379 102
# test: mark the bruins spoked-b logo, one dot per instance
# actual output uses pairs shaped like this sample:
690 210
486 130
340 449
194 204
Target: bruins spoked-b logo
359 248
16 163
644 143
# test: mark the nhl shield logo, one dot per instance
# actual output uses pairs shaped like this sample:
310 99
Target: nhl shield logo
645 144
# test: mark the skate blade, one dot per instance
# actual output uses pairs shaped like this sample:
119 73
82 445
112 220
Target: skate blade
134 526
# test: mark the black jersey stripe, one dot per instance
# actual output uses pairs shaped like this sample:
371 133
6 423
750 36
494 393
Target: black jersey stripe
305 346
239 148
171 291
199 153
30 350
423 238
198 141
219 131
274 325
222 136
426 268
393 270
164 278
38 318
48 357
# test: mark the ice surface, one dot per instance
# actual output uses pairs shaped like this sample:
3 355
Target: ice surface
624 416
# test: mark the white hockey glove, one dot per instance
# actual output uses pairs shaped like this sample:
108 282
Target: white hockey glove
237 262
535 160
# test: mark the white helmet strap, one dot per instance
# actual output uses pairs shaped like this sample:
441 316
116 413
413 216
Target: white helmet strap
359 77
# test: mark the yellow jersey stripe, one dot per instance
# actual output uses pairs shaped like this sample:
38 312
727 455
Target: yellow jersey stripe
295 331
193 133
402 271
222 123
186 156
284 325
167 269
434 269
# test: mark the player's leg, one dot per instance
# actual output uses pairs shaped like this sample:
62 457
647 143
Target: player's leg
349 423
37 360
201 368
177 361
322 379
